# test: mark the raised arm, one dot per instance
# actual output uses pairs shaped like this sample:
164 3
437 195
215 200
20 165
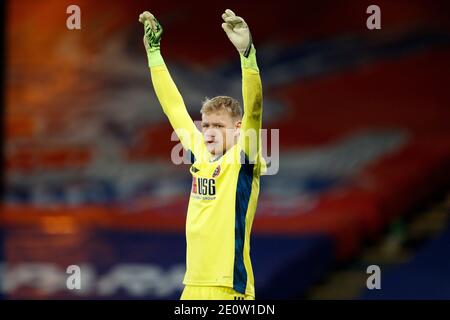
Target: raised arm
239 34
168 95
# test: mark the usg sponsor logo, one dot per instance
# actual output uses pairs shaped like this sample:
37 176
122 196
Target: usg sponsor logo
203 186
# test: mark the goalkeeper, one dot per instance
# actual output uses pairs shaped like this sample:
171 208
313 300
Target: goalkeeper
226 169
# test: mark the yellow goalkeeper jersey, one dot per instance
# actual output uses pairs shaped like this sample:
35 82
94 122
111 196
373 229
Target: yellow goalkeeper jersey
224 191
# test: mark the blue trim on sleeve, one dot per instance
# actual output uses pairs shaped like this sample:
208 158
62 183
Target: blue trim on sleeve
243 192
191 156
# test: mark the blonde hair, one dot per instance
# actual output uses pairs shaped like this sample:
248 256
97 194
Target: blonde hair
229 104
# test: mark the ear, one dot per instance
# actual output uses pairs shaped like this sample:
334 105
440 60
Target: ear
237 127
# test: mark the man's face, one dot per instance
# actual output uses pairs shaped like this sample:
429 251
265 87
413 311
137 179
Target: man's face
220 131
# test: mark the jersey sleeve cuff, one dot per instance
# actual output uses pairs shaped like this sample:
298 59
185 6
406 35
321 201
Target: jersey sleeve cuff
250 61
155 59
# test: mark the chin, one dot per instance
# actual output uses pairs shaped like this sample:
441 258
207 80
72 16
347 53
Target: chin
215 152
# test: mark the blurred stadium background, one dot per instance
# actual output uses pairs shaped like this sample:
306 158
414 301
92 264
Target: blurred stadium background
364 119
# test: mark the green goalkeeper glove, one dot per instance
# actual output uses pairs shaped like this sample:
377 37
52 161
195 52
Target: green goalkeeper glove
152 38
238 32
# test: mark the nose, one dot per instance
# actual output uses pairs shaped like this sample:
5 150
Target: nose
210 133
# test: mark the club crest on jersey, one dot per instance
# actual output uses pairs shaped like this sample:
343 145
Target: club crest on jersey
216 171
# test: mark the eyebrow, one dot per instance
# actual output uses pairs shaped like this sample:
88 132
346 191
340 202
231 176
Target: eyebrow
214 123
